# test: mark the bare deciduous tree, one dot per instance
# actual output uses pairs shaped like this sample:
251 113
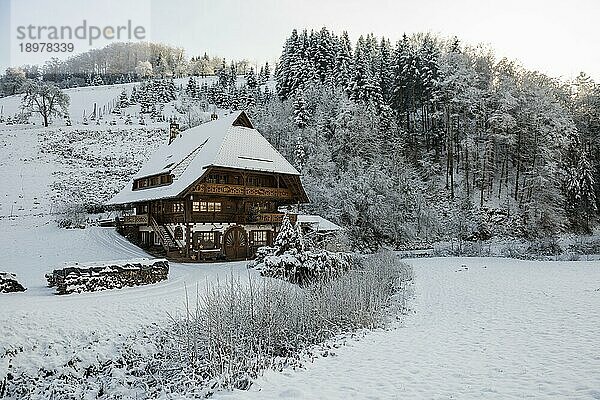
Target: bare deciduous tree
46 99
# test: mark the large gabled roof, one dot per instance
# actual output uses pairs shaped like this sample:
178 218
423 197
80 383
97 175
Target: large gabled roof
230 142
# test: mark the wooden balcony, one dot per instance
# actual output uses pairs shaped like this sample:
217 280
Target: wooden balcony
273 218
141 219
242 191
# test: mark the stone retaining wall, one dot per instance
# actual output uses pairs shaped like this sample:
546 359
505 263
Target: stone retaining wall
111 275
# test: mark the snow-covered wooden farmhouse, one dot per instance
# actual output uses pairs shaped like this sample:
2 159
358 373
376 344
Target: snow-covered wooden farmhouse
215 192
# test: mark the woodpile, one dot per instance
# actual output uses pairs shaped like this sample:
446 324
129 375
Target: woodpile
9 283
109 275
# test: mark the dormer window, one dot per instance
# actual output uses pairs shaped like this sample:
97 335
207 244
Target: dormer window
152 181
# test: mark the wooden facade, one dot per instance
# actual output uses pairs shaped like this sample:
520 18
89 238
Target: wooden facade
227 214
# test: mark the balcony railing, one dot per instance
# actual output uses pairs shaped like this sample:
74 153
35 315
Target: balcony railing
274 218
141 219
240 190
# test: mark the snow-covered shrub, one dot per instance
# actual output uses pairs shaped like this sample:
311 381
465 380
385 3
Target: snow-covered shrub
72 216
547 246
93 368
585 245
240 328
289 260
337 241
513 249
9 283
304 267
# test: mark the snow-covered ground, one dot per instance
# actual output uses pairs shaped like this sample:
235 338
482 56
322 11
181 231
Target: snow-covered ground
45 169
44 330
498 329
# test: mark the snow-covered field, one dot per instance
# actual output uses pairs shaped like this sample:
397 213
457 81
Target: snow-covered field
498 329
45 169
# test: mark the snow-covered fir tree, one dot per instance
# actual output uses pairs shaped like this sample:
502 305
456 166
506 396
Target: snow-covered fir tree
251 80
192 89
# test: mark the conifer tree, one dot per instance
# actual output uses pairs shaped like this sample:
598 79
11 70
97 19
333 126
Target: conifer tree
299 152
343 62
251 79
123 100
191 88
223 75
287 238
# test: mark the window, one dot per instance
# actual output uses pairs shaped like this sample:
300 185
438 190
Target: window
260 238
262 206
266 181
253 181
157 208
177 208
152 181
142 209
205 240
206 206
178 233
217 178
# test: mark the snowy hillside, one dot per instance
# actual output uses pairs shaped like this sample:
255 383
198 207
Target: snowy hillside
82 99
46 170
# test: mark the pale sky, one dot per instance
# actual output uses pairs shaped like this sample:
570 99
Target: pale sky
559 38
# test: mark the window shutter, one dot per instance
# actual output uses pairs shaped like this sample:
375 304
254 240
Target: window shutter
217 240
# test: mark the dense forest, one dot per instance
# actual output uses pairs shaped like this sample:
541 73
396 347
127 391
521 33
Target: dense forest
429 139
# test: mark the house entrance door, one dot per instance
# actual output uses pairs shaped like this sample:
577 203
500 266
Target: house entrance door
235 244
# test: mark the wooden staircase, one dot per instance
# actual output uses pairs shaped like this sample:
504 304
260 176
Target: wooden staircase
165 237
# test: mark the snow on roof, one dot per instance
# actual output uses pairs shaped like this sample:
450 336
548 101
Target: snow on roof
229 141
318 223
